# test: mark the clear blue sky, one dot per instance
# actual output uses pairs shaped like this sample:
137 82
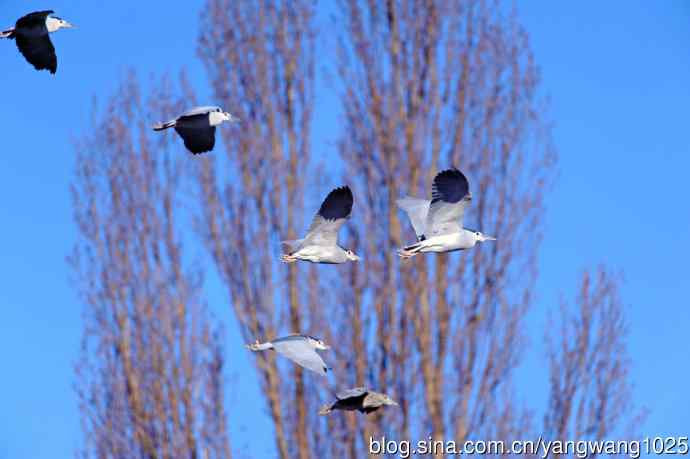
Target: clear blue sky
617 73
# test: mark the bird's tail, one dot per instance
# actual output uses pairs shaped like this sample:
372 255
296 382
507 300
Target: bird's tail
162 126
257 346
9 33
292 245
326 409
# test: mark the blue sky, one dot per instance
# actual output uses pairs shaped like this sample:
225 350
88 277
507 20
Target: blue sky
617 75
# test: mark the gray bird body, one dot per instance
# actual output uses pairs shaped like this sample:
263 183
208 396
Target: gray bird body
31 34
301 349
320 245
197 127
358 399
438 222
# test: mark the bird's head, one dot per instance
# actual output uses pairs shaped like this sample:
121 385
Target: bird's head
481 237
319 344
54 23
386 400
227 116
351 255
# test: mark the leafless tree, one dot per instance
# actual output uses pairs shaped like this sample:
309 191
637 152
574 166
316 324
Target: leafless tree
427 85
260 60
590 392
424 85
150 376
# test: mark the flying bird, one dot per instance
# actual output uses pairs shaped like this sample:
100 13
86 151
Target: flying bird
30 33
197 127
320 245
301 349
438 223
360 399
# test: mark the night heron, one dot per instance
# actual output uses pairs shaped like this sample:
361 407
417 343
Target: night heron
301 349
438 223
197 127
360 399
320 245
31 35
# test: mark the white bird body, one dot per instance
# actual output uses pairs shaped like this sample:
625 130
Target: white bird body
462 240
438 222
322 254
320 245
301 349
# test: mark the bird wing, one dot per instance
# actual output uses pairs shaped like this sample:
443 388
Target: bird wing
38 51
351 393
449 196
200 110
198 139
299 351
332 214
417 210
33 20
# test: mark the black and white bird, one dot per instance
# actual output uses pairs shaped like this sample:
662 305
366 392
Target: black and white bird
438 223
301 349
320 245
197 127
31 33
359 399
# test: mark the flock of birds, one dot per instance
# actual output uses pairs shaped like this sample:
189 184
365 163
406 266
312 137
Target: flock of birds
437 222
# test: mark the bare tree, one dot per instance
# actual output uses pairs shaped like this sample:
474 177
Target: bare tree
150 375
425 85
428 85
590 392
260 59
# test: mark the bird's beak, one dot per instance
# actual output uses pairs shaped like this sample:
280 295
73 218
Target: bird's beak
232 117
326 347
488 238
69 25
393 402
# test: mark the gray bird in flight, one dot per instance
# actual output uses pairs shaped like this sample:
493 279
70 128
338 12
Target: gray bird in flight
359 399
197 127
438 223
31 34
301 349
320 245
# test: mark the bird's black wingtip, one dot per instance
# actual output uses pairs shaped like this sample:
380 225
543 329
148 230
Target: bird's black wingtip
338 203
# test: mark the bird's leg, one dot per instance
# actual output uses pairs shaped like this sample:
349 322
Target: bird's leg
410 251
288 258
405 254
6 33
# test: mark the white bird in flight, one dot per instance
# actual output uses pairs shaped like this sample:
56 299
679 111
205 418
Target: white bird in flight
438 223
197 127
301 349
320 245
31 33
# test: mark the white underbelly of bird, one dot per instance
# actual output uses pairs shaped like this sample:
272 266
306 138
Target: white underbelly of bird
442 243
320 254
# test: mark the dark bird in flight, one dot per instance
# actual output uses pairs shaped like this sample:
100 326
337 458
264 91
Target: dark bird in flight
31 33
359 399
197 127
